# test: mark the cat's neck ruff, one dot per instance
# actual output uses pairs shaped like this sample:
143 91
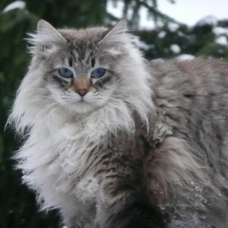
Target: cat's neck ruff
58 147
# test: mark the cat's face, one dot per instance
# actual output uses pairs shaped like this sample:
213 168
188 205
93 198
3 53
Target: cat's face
82 81
79 71
75 73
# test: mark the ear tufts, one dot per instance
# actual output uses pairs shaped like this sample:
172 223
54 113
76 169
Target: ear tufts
46 39
48 33
120 27
43 26
117 33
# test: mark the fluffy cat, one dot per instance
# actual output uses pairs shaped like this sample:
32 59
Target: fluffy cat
113 141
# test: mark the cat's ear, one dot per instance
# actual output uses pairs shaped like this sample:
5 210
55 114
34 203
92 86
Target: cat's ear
117 33
47 37
48 34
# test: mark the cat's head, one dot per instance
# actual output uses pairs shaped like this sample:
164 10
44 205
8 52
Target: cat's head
85 69
81 71
80 68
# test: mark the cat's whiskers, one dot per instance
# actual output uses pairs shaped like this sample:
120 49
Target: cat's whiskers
111 102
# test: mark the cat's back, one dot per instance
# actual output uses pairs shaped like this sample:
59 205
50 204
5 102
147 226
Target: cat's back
189 78
192 93
191 99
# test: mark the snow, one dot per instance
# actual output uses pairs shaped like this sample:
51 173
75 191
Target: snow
191 11
173 27
180 33
222 40
141 44
115 8
208 20
184 57
144 22
175 48
14 5
161 34
184 11
220 31
157 61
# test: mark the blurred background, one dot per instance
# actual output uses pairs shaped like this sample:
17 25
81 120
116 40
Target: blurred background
164 28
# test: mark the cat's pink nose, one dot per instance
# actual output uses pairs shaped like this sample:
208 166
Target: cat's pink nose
82 92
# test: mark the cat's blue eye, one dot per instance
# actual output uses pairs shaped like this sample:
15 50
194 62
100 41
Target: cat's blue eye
66 73
98 73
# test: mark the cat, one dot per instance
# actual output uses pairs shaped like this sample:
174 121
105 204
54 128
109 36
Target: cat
114 141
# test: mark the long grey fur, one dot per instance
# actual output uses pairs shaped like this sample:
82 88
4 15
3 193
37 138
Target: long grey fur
145 147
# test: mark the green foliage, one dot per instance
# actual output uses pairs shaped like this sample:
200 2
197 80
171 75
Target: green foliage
197 41
132 9
18 208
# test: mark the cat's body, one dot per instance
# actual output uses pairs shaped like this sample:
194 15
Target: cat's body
139 145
